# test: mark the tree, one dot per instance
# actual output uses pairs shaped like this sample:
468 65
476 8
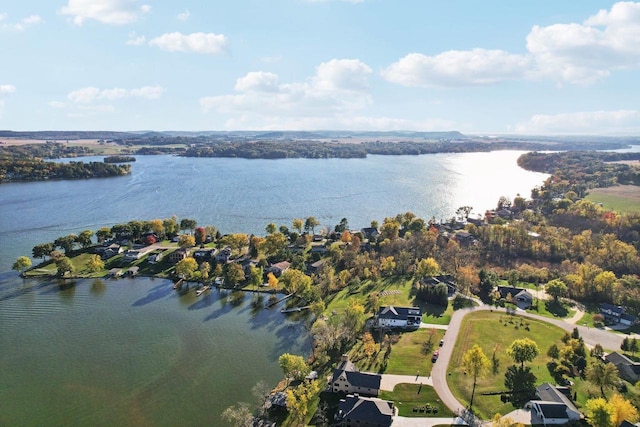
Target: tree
84 238
157 227
94 263
298 401
500 421
368 344
603 375
633 346
427 267
171 227
597 351
342 226
477 364
255 276
186 241
523 350
42 250
238 415
103 234
293 366
273 244
298 224
310 224
353 319
599 413
186 267
626 344
271 228
234 274
623 410
66 243
205 269
556 288
200 235
21 264
272 280
64 267
295 281
188 224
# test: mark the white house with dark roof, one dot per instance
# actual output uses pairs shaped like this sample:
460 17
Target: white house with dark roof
347 378
361 411
399 317
520 296
553 406
614 314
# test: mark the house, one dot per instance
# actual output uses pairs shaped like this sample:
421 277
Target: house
315 267
446 279
132 271
627 369
204 254
553 405
355 410
115 272
616 314
464 238
278 268
521 297
156 257
132 255
223 255
178 255
347 378
399 317
110 251
370 233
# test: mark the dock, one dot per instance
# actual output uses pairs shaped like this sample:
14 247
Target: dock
291 310
178 284
280 300
201 291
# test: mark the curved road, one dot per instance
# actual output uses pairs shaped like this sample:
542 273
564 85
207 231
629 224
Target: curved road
591 336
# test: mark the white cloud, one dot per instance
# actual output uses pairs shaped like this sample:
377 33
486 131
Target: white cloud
89 95
576 53
21 25
342 74
183 16
116 12
207 43
586 122
458 68
135 40
57 104
258 81
5 89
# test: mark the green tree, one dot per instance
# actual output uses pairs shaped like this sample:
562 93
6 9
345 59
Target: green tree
273 244
295 281
633 346
64 267
171 227
234 274
476 363
556 288
523 350
603 375
599 413
42 250
188 224
103 234
205 269
293 366
310 224
21 264
66 243
255 276
271 228
298 224
84 238
94 263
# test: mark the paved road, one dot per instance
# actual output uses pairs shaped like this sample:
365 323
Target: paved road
591 336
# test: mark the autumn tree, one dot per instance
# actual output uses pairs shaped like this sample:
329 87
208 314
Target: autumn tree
298 224
623 410
293 366
21 264
234 274
255 276
273 244
556 288
94 263
205 270
272 280
186 241
353 319
369 346
603 375
186 268
476 363
171 227
156 226
298 401
199 235
64 267
427 267
295 281
599 413
523 350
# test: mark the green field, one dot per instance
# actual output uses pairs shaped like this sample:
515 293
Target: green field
616 199
415 400
495 332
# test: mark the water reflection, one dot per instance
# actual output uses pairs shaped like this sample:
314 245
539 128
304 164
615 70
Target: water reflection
98 287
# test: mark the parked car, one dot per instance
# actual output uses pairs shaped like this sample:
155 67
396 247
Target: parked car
441 343
435 356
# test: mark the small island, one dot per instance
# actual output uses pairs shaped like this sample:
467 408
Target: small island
119 159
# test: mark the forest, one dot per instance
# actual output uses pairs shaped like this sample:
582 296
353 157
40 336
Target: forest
31 169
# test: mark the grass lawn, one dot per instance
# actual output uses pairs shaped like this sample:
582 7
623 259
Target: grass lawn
391 291
556 309
406 397
436 314
496 331
409 355
622 198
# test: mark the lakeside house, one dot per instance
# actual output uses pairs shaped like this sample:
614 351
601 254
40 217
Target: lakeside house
347 378
627 368
178 255
278 268
407 318
615 314
355 410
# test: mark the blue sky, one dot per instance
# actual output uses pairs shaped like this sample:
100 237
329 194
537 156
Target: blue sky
490 67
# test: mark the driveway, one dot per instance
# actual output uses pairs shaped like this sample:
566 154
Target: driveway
389 381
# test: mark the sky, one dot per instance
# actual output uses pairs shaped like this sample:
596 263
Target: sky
479 67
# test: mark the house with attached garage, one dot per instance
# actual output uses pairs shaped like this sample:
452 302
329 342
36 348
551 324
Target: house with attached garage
347 378
553 406
407 318
627 368
519 296
615 314
355 410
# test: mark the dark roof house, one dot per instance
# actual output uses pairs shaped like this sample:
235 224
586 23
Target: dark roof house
348 379
399 317
553 405
355 410
521 297
627 369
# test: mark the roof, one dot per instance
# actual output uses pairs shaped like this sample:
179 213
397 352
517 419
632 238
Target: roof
363 379
552 409
345 365
282 265
515 292
548 393
391 312
369 410
612 309
618 359
628 317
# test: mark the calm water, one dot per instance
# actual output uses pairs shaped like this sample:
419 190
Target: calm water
134 352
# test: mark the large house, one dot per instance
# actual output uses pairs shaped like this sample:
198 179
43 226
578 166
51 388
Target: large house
399 317
553 406
627 369
614 314
446 279
348 379
361 411
520 297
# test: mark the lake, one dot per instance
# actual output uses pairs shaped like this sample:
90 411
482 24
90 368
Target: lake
136 352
